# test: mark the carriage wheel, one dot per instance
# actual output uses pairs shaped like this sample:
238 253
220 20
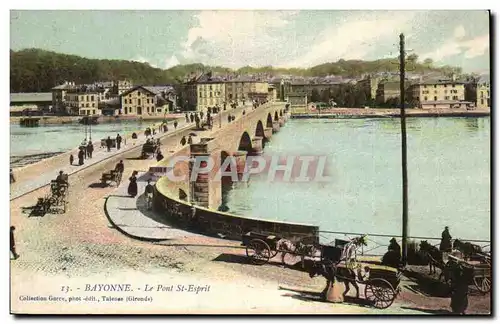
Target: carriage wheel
380 293
483 284
258 251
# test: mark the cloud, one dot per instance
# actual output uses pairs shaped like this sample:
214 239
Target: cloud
470 48
236 37
171 62
355 38
459 32
142 59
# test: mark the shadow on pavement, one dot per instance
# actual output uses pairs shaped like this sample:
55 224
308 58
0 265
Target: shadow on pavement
429 311
98 185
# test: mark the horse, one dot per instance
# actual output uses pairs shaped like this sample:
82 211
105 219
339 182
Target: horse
287 246
468 249
330 272
434 256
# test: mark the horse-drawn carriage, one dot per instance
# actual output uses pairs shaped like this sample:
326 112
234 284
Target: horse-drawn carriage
464 254
149 148
55 200
338 262
111 176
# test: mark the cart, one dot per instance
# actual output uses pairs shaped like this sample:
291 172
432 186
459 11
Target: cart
260 248
382 284
59 194
149 149
481 277
111 176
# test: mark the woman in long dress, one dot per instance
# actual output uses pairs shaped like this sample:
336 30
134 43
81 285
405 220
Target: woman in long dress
132 187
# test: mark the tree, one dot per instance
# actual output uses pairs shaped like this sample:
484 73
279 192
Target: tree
428 61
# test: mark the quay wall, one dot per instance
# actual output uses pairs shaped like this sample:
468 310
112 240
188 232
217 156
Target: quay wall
300 113
211 222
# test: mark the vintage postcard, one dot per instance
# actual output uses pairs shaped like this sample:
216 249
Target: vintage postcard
250 162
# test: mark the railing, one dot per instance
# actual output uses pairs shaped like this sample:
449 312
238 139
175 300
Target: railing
376 247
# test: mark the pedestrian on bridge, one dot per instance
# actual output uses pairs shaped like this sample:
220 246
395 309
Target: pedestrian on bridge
190 140
175 124
13 243
71 159
132 186
187 118
192 118
81 156
12 179
109 143
90 150
118 141
183 140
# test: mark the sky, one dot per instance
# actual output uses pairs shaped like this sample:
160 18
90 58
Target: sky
256 38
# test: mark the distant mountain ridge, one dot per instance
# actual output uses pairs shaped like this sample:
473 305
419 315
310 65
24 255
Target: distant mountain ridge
36 70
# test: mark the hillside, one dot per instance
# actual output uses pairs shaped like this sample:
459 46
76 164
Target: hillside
35 70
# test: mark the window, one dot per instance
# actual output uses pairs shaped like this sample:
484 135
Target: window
482 101
418 98
130 95
93 105
435 98
445 91
91 98
453 86
446 98
455 97
87 98
425 98
210 88
87 105
435 86
425 86
488 93
435 91
138 101
445 86
93 111
210 94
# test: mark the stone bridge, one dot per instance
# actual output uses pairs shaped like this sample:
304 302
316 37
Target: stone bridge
198 204
243 137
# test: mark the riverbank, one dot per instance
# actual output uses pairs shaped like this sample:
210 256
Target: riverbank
388 113
62 120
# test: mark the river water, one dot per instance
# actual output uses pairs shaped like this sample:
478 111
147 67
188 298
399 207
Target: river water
448 176
29 144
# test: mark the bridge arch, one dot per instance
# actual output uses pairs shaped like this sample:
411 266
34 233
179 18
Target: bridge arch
269 121
276 117
259 129
281 112
245 143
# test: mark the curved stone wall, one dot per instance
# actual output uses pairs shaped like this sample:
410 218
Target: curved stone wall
183 215
167 200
